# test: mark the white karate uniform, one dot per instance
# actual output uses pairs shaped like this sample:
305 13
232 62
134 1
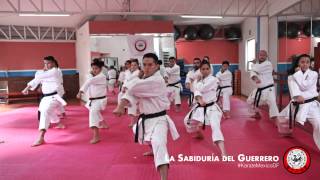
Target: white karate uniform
95 86
264 72
206 88
49 104
151 96
112 77
225 79
126 75
305 85
61 91
173 75
190 78
132 76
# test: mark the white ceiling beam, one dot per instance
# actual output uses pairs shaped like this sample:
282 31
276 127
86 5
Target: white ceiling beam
45 33
12 6
175 3
98 5
19 34
35 6
33 34
59 33
78 5
57 5
228 7
264 3
4 33
245 7
276 6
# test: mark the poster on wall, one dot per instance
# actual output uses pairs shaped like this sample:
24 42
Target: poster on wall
139 45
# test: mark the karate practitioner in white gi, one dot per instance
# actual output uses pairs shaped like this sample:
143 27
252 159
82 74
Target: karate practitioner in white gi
191 77
51 102
133 75
304 105
154 124
225 88
95 87
172 77
261 74
126 74
112 78
206 112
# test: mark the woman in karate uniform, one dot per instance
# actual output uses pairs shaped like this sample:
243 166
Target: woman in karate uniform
95 87
206 112
304 105
51 101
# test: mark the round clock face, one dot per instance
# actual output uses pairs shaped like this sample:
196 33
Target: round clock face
296 160
140 45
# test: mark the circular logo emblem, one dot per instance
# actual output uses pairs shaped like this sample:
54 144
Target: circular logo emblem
140 45
296 160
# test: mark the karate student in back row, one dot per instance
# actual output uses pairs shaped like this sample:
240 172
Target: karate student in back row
225 88
130 77
172 77
302 82
191 77
51 102
261 74
96 90
154 123
207 111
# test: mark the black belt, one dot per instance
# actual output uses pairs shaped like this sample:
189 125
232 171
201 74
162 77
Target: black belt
174 84
258 95
220 89
204 113
296 110
44 95
191 96
143 118
50 94
92 99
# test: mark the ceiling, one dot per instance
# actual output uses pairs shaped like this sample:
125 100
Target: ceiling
233 11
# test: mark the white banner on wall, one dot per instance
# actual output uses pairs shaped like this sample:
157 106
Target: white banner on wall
139 45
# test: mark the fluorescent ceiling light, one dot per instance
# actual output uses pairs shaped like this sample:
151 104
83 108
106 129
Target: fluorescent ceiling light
202 17
101 36
46 15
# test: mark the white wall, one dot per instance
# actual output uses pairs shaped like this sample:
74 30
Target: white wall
249 31
273 41
83 53
117 46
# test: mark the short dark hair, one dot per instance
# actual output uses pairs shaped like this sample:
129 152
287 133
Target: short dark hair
172 58
197 59
128 62
153 56
97 62
135 61
51 59
226 62
160 62
205 62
